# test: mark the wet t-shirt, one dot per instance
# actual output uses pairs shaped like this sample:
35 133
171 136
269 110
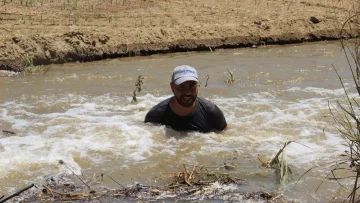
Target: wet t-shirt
206 117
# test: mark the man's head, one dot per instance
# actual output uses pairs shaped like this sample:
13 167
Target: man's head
184 84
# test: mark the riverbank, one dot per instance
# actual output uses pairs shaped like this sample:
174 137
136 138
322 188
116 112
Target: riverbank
45 32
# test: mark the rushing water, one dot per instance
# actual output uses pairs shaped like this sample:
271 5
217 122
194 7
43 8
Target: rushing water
82 113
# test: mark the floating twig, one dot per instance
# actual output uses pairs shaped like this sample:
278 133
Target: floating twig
276 197
207 75
8 132
114 180
17 193
47 70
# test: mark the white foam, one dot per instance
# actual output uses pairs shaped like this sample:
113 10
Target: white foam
272 121
105 128
318 91
85 127
5 73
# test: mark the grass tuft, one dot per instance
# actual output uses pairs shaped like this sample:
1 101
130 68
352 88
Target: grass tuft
346 115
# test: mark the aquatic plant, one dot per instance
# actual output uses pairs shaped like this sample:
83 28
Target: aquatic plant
230 79
279 163
138 87
206 78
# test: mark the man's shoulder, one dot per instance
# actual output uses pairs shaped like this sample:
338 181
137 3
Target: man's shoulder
209 106
155 114
212 113
163 104
206 103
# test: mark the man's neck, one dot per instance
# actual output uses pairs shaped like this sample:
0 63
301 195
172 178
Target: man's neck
180 110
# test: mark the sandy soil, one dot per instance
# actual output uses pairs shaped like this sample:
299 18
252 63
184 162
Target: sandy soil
42 32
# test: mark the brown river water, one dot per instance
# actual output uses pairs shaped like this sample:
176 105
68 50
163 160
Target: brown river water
82 113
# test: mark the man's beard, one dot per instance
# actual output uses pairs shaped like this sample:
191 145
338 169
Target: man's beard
186 102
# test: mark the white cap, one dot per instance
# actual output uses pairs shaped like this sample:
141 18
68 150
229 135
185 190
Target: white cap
184 73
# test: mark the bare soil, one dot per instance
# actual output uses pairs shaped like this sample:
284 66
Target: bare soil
40 32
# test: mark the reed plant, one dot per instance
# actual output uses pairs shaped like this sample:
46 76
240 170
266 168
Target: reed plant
206 78
230 79
279 163
346 115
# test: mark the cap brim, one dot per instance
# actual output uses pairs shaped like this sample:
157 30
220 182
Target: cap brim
184 79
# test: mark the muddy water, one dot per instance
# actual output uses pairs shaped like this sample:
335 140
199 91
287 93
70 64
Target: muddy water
82 114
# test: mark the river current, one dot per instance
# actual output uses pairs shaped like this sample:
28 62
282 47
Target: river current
82 113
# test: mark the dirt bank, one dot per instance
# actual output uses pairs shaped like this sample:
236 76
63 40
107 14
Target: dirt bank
42 32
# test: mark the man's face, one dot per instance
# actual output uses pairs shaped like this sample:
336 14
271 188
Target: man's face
185 93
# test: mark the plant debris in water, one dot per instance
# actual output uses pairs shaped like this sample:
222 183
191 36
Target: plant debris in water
198 184
222 189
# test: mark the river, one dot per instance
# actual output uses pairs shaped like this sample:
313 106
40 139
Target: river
82 113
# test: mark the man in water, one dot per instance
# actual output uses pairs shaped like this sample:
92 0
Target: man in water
185 111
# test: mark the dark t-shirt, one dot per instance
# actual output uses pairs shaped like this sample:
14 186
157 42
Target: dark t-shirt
206 117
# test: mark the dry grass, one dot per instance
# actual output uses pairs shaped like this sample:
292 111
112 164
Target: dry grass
346 114
125 13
